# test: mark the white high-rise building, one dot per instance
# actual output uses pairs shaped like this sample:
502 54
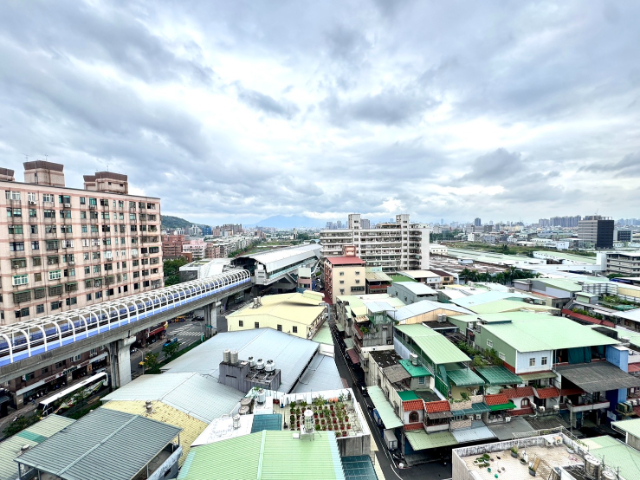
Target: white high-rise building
394 246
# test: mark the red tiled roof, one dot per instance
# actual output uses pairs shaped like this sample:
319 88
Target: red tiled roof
413 426
436 407
345 260
548 392
522 411
586 318
634 367
410 405
497 399
518 392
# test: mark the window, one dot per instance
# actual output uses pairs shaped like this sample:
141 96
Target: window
342 274
19 263
295 329
256 325
40 308
49 214
61 364
357 281
72 301
88 296
45 370
55 275
93 201
33 229
9 195
16 246
37 277
14 212
524 403
77 358
501 356
489 344
23 312
543 361
33 213
55 291
279 328
35 245
421 380
47 197
341 282
39 293
56 305
15 230
83 201
342 291
414 417
532 362
65 213
20 279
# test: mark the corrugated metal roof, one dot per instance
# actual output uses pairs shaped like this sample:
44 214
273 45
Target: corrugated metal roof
196 395
291 307
500 306
396 373
464 378
384 408
498 375
425 306
433 344
276 259
357 304
377 276
629 426
322 374
11 447
532 332
358 468
417 288
618 456
421 440
290 353
486 297
467 435
414 370
597 377
266 455
323 335
103 445
191 427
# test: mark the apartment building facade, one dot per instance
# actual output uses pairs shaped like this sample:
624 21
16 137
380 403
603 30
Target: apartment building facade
344 275
63 248
399 245
597 230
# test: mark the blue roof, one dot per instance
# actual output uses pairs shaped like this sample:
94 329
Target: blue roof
358 468
322 374
487 297
272 421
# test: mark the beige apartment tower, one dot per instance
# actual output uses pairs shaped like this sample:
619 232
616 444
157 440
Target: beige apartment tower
64 248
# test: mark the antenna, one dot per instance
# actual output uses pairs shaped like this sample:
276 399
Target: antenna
26 157
46 157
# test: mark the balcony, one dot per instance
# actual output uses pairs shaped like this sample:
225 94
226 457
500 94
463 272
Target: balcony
587 407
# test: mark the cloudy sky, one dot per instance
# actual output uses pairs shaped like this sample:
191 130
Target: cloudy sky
239 110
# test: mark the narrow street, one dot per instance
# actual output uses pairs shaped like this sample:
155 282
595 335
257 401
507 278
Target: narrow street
429 471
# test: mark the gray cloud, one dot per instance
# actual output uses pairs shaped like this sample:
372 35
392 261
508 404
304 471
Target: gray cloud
229 112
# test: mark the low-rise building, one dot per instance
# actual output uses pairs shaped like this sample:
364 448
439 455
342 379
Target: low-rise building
412 292
424 276
299 314
344 275
377 280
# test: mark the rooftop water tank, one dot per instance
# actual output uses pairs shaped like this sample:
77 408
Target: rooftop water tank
234 357
591 465
308 421
246 402
252 362
260 364
262 396
270 366
226 356
243 410
236 422
414 359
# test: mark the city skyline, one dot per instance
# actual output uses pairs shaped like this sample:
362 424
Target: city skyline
516 110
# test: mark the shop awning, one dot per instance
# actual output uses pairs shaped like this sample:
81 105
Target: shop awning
536 376
499 376
353 355
476 408
421 440
503 406
464 378
598 377
384 408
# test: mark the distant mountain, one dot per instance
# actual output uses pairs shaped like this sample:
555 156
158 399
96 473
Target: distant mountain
291 221
171 223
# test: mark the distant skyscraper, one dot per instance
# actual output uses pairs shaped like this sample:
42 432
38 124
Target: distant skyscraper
329 225
339 224
477 222
365 224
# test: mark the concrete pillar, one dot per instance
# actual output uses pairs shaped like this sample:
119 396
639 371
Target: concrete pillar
121 361
211 318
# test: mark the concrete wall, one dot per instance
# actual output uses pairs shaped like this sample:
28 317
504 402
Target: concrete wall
522 361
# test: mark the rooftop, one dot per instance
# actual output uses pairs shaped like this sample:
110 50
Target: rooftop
400 278
487 297
384 408
291 354
31 436
418 274
417 288
532 332
415 370
266 455
105 444
597 376
337 261
501 306
322 374
425 306
303 308
357 304
375 276
433 344
191 427
628 426
498 375
283 257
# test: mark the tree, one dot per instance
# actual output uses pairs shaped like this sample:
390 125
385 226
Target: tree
171 349
151 361
172 271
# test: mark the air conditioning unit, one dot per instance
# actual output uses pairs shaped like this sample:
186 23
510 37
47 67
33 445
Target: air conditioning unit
16 266
478 416
542 409
507 419
32 202
67 205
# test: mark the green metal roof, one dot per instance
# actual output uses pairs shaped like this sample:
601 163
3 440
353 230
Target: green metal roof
414 370
401 278
475 408
408 395
32 436
464 378
421 440
384 408
561 284
618 456
630 426
532 332
498 375
323 335
266 455
503 406
433 344
103 445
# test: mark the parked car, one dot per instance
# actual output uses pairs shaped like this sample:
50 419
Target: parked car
197 319
169 342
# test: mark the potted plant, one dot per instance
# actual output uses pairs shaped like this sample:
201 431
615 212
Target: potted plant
348 426
344 433
514 451
532 471
338 434
523 461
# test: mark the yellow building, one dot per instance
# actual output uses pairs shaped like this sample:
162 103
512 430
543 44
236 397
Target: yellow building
344 275
298 314
162 412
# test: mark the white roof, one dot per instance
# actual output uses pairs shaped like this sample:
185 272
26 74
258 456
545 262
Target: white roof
633 315
417 288
291 354
276 259
425 306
